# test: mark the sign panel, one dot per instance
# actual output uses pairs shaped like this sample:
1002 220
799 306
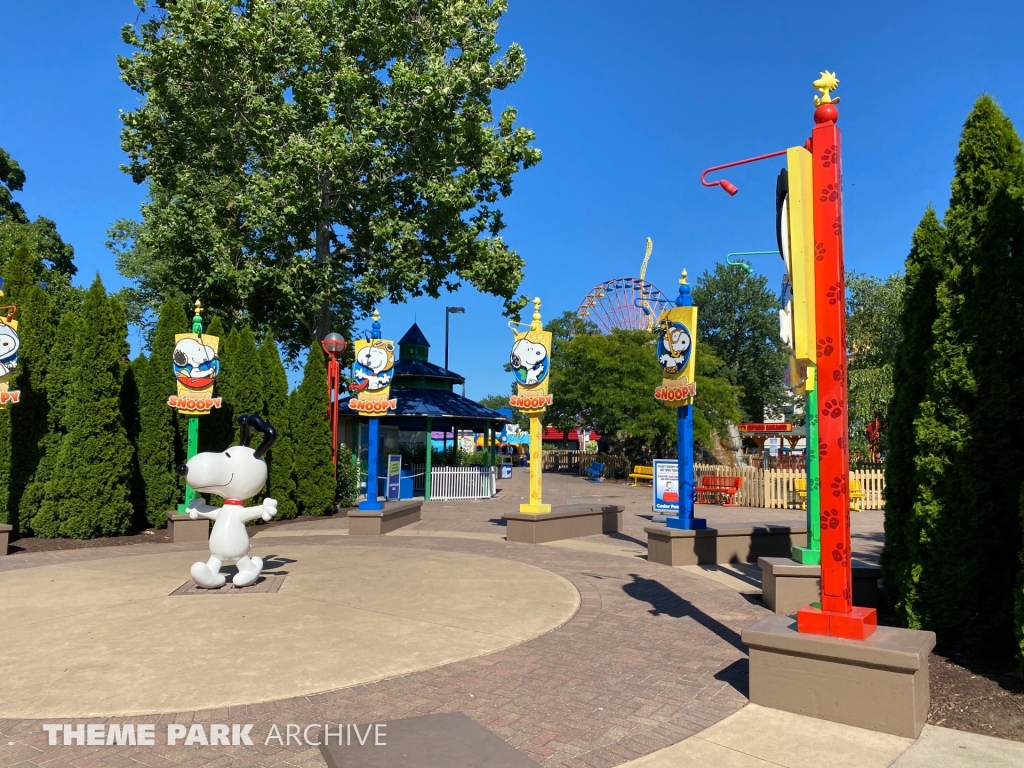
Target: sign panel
531 362
677 355
9 345
196 367
394 477
666 486
371 377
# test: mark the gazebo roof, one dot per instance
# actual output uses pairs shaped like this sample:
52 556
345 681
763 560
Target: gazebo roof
414 336
415 403
425 369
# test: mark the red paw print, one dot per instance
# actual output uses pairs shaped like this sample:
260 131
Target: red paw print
829 194
833 408
830 519
822 448
839 554
819 251
829 156
825 346
842 443
837 375
837 227
838 486
834 292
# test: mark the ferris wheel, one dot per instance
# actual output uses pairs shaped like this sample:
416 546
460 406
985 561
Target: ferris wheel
627 303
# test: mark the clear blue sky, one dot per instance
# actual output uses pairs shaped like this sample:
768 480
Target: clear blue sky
630 101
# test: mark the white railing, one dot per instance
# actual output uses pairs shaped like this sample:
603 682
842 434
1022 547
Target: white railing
452 483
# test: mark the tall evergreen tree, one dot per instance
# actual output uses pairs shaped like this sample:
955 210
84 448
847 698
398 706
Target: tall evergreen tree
246 379
311 432
926 267
160 443
970 455
130 404
89 496
281 458
59 377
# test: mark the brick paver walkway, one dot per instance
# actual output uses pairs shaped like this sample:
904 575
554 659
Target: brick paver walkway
652 656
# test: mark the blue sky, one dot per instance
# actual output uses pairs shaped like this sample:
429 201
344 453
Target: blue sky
630 101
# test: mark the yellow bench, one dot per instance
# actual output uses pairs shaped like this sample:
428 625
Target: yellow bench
856 493
642 473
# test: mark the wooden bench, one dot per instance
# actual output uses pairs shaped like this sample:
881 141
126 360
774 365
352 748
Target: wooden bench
595 472
856 493
642 473
725 486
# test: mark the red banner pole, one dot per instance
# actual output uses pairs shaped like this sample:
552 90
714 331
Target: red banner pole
836 614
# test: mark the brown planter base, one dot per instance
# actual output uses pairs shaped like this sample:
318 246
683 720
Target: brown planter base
725 543
787 586
880 683
183 528
5 537
395 515
566 522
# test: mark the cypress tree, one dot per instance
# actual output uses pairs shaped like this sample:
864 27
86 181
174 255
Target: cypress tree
89 496
58 379
970 454
281 458
160 442
311 432
130 406
246 380
926 266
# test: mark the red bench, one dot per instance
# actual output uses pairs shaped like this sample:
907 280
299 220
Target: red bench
719 486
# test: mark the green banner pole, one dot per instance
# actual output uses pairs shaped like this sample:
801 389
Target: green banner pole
811 554
193 421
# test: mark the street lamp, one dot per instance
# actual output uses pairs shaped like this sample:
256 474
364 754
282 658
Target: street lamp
447 312
334 345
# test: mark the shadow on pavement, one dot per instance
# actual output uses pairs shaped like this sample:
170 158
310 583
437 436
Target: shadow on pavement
665 602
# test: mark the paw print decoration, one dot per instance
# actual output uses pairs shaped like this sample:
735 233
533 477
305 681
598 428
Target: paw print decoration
829 194
819 251
830 518
832 408
833 293
829 156
840 554
838 486
825 347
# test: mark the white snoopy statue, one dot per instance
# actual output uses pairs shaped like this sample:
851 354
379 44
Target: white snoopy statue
237 474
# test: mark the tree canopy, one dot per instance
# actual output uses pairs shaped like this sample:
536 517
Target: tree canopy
307 159
738 321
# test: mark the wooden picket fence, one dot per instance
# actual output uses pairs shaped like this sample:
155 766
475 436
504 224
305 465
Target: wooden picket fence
776 488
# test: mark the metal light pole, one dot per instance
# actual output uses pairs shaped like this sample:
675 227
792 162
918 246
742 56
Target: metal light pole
450 311
334 345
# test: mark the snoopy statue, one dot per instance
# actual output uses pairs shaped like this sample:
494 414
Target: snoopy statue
237 474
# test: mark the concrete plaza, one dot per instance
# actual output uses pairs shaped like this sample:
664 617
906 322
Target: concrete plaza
578 653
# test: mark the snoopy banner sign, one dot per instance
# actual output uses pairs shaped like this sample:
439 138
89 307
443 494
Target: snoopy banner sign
9 344
677 354
531 361
371 374
195 368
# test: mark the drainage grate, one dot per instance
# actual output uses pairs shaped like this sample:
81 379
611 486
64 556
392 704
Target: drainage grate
264 585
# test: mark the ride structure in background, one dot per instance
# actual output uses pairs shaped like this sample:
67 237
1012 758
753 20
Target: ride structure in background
625 303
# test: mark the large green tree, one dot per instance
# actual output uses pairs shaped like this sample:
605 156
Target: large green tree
218 427
281 457
52 255
872 338
89 495
926 266
607 382
969 453
311 436
307 159
738 321
159 445
246 378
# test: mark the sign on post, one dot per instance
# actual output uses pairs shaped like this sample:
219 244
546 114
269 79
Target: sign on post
666 486
394 477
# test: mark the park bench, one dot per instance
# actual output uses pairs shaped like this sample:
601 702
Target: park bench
641 473
856 493
719 486
595 472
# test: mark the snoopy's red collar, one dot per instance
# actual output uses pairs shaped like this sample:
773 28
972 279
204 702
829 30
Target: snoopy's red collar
234 502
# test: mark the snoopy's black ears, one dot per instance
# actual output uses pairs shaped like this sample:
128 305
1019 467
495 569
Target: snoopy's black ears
249 423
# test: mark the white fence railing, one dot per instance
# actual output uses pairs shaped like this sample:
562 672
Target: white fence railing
452 483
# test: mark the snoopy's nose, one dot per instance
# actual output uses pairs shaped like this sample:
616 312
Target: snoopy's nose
182 469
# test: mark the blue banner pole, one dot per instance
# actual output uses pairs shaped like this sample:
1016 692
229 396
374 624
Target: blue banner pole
685 520
372 503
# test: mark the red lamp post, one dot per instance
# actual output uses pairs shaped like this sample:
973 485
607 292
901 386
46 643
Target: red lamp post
334 345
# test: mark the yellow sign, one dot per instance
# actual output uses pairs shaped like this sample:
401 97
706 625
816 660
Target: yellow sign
531 364
9 345
372 372
795 222
677 352
196 367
